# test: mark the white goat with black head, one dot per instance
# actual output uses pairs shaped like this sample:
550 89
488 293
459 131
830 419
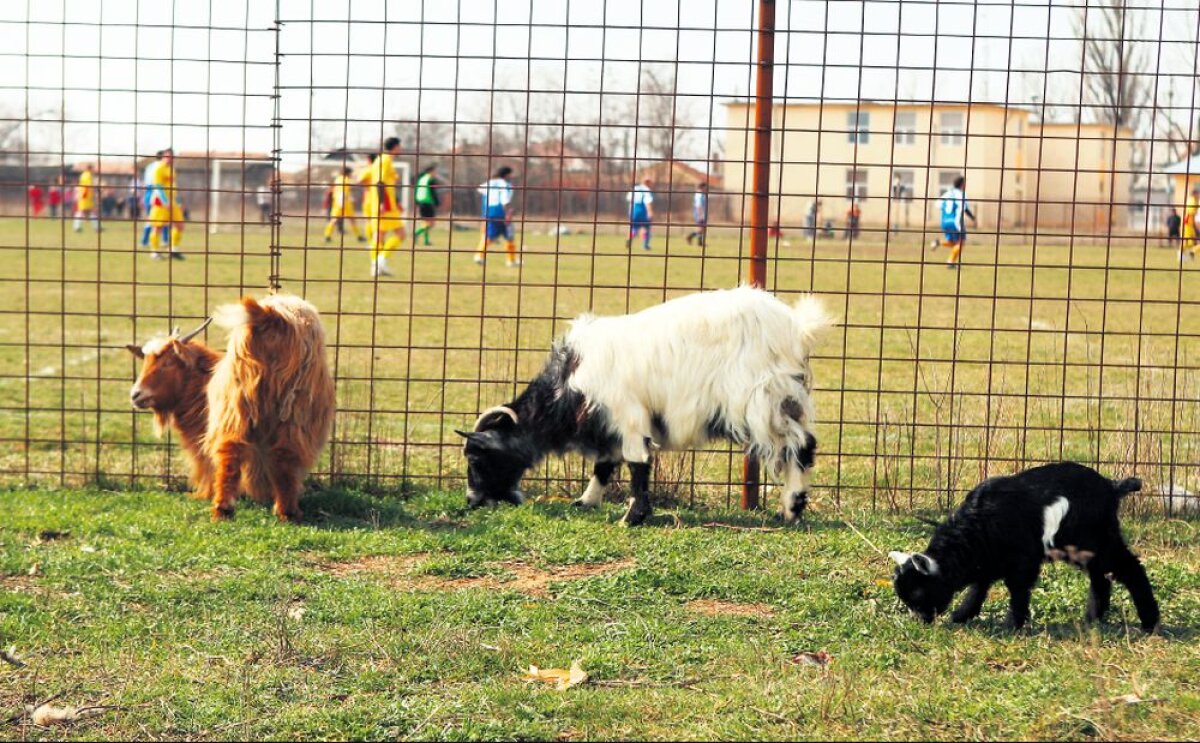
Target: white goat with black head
730 364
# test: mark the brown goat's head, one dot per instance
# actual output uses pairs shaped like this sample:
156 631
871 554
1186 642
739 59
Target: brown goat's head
169 369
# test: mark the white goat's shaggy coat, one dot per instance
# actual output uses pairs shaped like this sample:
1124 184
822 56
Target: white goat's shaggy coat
740 351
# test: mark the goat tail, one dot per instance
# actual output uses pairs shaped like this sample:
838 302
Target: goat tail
810 318
1127 486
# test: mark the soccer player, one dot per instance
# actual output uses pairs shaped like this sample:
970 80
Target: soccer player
1191 210
85 199
165 213
389 226
699 214
428 198
641 212
496 200
363 178
341 207
953 207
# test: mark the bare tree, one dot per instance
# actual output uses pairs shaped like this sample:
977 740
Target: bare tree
659 114
1117 88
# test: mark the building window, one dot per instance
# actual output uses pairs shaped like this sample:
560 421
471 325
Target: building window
946 180
952 128
906 127
858 127
903 184
856 184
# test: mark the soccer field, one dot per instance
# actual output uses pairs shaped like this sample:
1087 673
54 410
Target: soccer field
935 377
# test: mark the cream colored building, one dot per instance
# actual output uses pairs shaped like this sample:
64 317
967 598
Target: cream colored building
897 159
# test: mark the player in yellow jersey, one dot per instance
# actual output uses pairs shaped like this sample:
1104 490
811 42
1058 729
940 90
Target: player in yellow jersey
363 178
388 218
85 199
341 206
165 209
1191 212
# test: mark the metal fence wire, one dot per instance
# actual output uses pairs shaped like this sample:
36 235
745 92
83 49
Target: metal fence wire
1064 326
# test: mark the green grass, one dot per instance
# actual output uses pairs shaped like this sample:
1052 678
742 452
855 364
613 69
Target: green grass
937 378
194 629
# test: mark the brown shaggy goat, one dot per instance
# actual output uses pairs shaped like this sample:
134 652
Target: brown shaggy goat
173 383
253 419
270 403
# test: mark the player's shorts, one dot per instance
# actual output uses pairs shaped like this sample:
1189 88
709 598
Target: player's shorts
953 233
639 217
85 205
427 211
342 212
163 215
498 227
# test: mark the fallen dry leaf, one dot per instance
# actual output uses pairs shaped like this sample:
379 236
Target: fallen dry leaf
883 583
820 659
296 612
47 715
557 676
34 569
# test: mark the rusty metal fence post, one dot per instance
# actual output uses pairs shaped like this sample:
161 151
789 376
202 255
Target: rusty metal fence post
760 201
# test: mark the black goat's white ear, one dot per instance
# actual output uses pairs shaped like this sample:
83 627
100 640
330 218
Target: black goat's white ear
899 557
925 564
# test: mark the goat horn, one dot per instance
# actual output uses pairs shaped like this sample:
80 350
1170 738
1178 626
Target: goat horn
196 332
498 409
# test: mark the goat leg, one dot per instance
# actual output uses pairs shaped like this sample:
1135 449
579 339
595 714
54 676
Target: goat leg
639 502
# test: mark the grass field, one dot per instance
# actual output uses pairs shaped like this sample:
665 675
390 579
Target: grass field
380 618
412 618
1030 353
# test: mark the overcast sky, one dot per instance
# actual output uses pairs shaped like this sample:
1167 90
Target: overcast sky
133 75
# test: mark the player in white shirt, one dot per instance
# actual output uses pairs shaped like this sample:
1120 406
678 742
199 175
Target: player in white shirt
699 214
953 207
641 212
496 197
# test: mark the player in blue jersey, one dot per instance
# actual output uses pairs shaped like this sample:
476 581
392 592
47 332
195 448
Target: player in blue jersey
953 207
699 214
641 212
496 196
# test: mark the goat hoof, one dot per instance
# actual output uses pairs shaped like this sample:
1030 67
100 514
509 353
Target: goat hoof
221 513
794 507
583 504
286 516
635 515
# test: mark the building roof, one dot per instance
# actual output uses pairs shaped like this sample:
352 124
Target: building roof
1191 166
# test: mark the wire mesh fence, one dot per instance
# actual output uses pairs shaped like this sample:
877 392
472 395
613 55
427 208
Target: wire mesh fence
1064 326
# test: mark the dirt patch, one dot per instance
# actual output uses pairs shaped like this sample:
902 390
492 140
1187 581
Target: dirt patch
397 565
517 576
718 608
535 581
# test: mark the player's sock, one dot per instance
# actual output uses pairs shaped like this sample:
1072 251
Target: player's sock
329 231
511 249
146 235
155 240
176 237
77 226
390 245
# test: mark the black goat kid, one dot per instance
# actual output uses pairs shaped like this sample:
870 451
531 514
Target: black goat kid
1009 526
